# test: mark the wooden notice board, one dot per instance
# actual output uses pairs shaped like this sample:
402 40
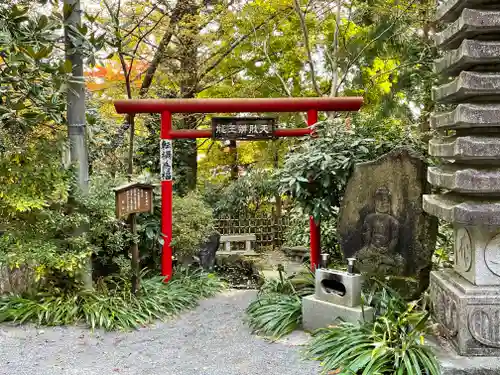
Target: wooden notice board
133 198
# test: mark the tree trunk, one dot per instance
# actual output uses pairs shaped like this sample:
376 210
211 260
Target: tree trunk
233 152
278 203
76 114
189 80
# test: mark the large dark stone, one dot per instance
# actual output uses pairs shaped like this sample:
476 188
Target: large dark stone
208 251
382 223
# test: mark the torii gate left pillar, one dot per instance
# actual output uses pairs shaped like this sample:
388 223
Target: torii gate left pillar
166 107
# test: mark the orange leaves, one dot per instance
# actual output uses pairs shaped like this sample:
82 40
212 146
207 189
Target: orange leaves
112 76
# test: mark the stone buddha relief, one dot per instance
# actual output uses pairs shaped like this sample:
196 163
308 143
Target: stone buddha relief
382 223
380 239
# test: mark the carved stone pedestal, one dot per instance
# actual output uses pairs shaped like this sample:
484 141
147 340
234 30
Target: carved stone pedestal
466 300
337 298
468 314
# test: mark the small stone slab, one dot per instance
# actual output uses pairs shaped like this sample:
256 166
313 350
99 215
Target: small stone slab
471 55
318 314
468 116
238 238
471 87
472 24
469 148
451 9
250 253
465 180
462 210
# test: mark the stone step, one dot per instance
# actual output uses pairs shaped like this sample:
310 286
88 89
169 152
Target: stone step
473 55
450 10
468 116
463 179
472 24
475 148
463 210
469 87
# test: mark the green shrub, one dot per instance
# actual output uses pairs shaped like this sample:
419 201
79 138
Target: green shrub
248 195
275 315
392 344
112 306
277 311
443 255
297 233
192 224
315 174
46 239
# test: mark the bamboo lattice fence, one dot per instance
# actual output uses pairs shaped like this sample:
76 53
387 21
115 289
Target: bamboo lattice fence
269 231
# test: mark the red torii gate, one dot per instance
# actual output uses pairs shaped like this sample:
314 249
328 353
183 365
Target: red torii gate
166 107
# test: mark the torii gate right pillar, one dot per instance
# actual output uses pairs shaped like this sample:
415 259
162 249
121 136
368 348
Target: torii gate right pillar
314 227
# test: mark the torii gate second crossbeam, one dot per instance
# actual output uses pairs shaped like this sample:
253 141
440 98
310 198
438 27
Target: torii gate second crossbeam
166 107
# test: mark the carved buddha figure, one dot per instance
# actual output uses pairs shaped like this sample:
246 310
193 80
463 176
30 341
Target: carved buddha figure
380 234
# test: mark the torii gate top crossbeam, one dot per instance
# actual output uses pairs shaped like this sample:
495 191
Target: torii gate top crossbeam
238 105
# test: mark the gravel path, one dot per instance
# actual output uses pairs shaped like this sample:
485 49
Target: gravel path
210 340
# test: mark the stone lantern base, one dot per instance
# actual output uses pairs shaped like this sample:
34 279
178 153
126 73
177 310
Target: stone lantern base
468 314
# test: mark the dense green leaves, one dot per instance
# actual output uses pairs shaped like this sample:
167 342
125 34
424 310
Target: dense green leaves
315 174
277 311
249 194
112 306
275 315
31 83
391 344
44 239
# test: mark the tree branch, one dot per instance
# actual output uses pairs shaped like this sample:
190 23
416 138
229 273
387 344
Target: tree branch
371 42
136 26
232 47
305 34
176 16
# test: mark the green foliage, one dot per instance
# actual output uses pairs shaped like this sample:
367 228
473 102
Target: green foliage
392 344
277 311
46 239
443 255
32 105
192 224
297 232
32 79
275 315
300 284
249 194
316 173
112 306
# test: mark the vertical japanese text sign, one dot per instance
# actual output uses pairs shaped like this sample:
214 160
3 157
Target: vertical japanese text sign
166 159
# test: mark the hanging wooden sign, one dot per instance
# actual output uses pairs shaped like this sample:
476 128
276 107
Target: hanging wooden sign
243 128
133 198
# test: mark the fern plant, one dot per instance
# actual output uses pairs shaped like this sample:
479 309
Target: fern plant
277 311
392 344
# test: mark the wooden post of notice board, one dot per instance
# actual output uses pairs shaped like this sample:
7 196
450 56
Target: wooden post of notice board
130 200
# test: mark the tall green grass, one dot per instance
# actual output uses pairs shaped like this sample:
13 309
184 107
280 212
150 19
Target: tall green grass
277 311
111 305
391 344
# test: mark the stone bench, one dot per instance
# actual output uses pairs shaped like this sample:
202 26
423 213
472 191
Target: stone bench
247 238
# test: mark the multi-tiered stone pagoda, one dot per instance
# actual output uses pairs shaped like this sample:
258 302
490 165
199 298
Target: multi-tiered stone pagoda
466 300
